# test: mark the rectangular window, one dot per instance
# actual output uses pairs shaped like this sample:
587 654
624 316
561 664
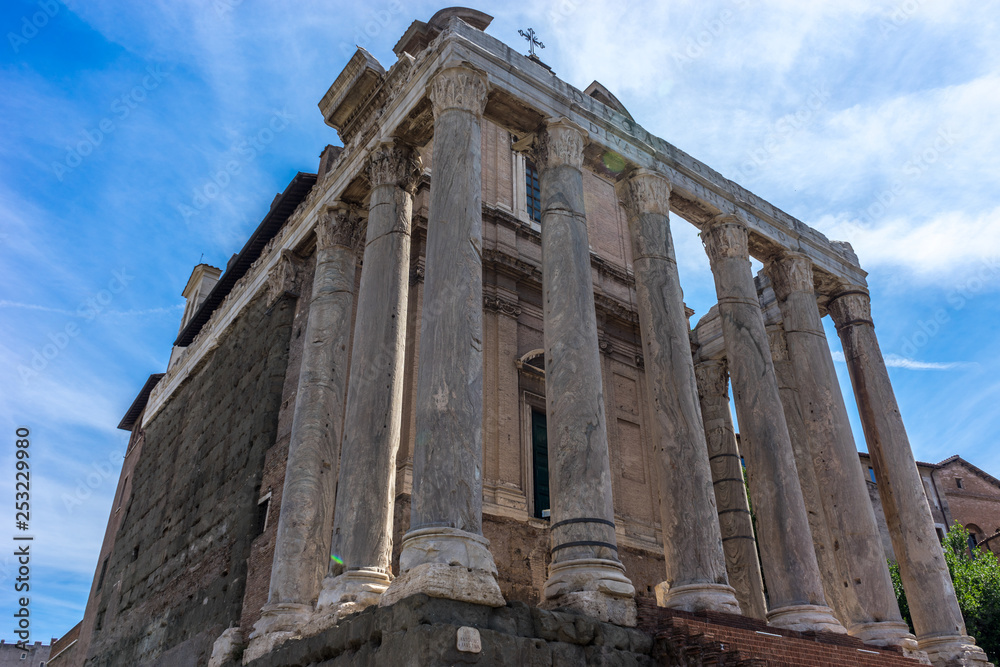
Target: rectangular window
540 463
104 570
958 482
533 195
263 506
871 473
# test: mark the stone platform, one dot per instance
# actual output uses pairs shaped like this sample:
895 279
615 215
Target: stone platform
425 631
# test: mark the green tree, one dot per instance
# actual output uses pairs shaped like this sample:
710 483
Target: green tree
976 576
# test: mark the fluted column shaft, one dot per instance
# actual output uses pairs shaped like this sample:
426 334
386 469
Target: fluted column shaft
735 522
863 583
695 561
444 553
302 545
362 527
937 620
585 572
788 561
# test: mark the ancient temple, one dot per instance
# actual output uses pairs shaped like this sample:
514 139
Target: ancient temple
447 405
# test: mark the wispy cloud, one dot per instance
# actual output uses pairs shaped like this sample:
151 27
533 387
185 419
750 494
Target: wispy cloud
897 361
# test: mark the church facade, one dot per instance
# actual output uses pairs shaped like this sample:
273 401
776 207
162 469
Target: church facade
455 365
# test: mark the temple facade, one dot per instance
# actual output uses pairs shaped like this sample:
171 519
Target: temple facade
455 365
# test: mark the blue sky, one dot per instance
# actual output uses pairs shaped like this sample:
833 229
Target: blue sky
874 122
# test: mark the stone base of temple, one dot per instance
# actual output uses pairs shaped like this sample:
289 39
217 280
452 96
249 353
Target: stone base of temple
698 597
278 623
953 651
433 632
594 587
445 563
226 647
351 592
805 618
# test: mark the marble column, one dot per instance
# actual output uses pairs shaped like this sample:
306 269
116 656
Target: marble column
934 609
585 573
735 522
302 545
788 390
795 593
362 528
693 550
863 582
444 553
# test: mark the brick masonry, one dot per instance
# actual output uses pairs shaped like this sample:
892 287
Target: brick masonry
179 564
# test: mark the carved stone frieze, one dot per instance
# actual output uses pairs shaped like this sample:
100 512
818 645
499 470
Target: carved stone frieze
285 277
459 88
501 305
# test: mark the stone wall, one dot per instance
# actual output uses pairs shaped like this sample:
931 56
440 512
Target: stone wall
178 569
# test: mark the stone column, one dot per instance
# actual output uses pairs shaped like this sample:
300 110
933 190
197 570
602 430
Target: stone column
937 619
862 580
444 553
362 528
788 390
585 573
787 557
302 546
735 522
695 561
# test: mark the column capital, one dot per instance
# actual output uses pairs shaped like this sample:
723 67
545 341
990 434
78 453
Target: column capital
644 191
339 226
850 306
284 277
458 88
790 272
713 377
393 163
725 236
560 143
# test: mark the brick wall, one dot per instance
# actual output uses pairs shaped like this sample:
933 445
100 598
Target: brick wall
179 563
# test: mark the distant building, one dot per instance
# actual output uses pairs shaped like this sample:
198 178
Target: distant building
32 655
957 491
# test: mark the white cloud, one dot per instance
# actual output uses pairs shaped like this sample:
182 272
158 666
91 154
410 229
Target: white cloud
897 361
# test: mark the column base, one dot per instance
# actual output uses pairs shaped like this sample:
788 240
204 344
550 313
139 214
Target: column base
953 651
698 597
887 633
445 563
225 647
806 618
278 623
351 592
595 587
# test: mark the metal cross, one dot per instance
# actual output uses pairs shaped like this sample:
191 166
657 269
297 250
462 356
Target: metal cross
532 40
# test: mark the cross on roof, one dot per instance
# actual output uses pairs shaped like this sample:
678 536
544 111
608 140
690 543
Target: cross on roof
532 41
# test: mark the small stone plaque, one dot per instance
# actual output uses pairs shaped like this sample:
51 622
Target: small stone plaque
469 640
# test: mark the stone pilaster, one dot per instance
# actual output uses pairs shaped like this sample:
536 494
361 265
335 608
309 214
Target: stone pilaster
788 560
302 545
693 550
585 573
869 603
362 527
735 522
444 553
930 594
